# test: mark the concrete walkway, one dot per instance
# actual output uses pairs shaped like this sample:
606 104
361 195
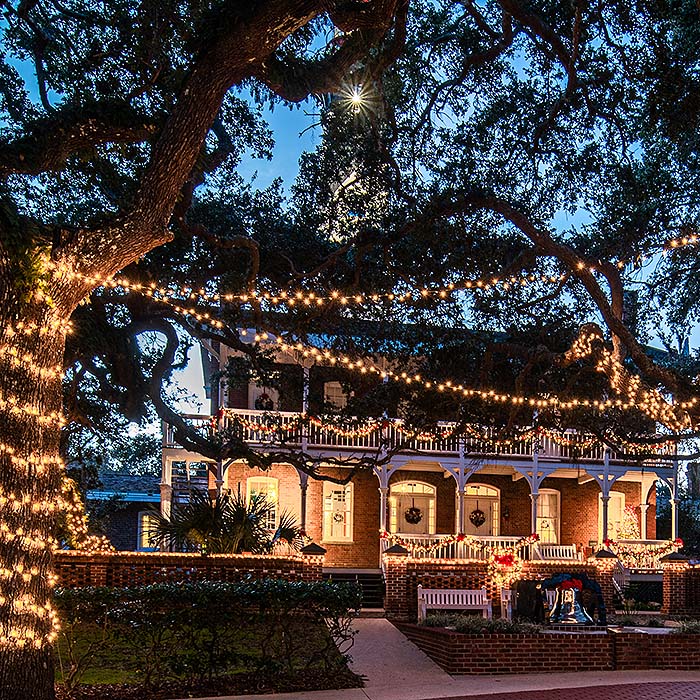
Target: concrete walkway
395 669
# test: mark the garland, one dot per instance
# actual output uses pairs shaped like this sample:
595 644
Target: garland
439 434
642 556
504 563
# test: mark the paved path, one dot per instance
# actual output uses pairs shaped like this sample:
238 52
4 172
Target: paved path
395 669
631 691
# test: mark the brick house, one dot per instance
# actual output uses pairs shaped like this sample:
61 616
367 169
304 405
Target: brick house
567 487
124 502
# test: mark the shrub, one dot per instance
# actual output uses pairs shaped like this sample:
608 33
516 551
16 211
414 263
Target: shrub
688 627
472 624
201 630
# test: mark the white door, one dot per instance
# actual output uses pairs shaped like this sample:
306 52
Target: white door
414 513
479 515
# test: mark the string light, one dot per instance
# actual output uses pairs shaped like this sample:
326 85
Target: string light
487 395
303 297
28 363
12 405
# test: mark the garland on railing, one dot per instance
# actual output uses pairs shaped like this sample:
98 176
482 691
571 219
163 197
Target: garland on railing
272 426
641 555
505 564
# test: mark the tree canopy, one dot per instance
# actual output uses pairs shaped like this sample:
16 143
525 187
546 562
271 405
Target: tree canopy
527 161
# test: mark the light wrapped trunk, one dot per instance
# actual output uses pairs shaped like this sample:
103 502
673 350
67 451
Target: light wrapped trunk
32 340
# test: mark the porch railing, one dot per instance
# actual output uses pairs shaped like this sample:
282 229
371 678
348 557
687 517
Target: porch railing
285 429
641 555
443 547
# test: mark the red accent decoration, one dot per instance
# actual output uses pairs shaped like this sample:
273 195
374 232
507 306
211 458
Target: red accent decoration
505 560
460 537
572 583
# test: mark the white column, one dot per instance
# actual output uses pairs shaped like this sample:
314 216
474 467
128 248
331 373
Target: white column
674 517
219 476
643 508
461 515
383 506
534 497
605 499
303 488
305 391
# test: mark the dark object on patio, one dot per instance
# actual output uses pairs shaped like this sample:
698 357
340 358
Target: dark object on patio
528 601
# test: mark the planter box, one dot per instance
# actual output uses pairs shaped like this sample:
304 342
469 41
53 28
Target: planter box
554 651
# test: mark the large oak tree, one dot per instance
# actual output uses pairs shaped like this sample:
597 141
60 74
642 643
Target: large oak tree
141 88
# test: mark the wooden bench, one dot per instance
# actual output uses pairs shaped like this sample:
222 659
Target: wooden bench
453 599
507 601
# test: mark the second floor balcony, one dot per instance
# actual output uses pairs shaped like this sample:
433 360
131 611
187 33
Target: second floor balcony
287 430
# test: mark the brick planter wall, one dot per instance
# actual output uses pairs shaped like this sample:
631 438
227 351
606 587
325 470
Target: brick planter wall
404 575
681 588
494 654
76 569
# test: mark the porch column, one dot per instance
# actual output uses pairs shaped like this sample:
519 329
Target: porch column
461 515
383 504
534 497
303 488
605 499
166 488
674 517
643 508
305 391
219 476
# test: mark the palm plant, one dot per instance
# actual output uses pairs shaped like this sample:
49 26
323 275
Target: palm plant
226 524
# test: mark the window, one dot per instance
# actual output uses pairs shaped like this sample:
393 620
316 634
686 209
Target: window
265 487
616 511
146 525
412 508
337 512
548 516
334 395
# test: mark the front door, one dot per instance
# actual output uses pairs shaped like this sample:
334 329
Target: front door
413 513
479 515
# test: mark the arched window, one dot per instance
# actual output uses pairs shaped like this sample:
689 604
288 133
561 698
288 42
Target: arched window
265 487
412 507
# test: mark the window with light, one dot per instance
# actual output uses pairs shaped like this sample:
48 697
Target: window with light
337 512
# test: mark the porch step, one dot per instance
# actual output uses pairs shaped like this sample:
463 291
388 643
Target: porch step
371 582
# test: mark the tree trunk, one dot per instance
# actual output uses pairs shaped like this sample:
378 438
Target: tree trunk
32 339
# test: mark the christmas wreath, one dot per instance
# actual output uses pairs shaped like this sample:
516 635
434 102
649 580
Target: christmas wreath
413 515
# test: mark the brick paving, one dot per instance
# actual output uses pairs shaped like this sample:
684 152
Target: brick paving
632 691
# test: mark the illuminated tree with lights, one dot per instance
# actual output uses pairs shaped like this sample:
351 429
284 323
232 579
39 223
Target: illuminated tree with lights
134 110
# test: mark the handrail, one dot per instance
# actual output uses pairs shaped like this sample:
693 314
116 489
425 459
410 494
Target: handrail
285 428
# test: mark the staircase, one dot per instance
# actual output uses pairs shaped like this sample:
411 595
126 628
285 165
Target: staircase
371 581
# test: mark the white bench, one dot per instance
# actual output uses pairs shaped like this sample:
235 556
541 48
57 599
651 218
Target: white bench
453 599
507 601
548 551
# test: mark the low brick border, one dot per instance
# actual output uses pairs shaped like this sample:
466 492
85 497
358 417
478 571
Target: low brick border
554 652
77 569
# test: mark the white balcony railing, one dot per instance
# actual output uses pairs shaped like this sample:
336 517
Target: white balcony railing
290 430
444 547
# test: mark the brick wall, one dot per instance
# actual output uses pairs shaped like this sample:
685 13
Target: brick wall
404 575
75 569
579 507
681 588
634 651
493 654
